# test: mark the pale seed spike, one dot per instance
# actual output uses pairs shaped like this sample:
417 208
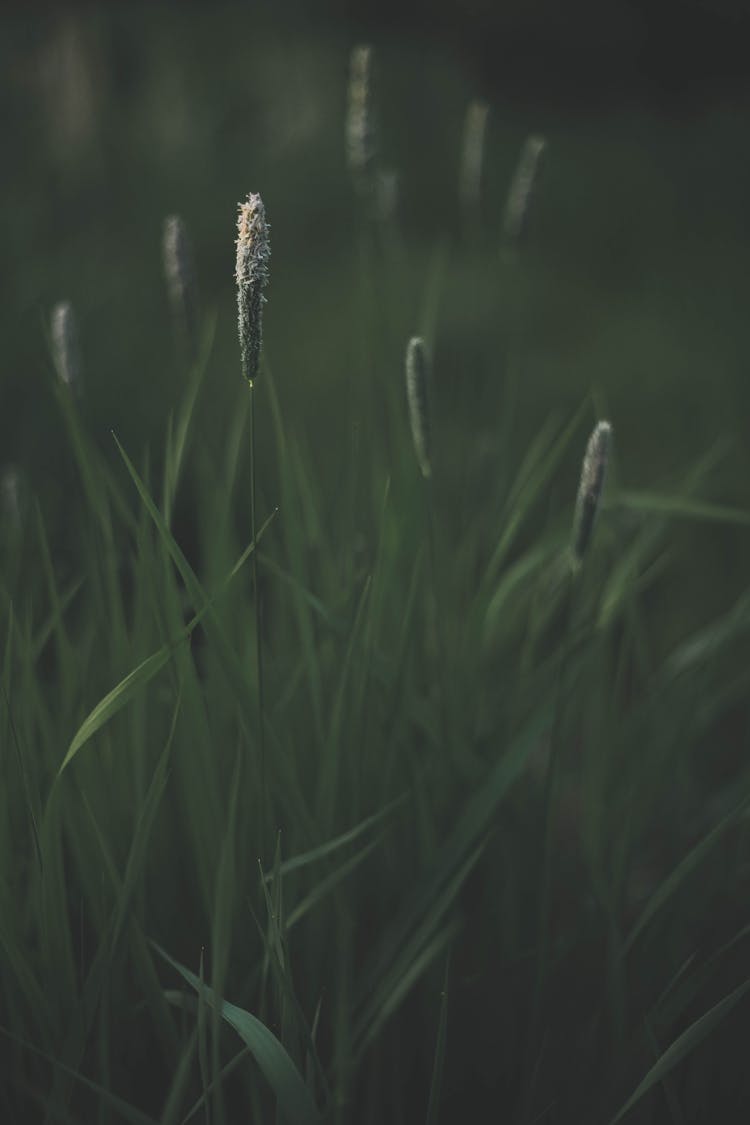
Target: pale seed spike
593 473
65 349
523 185
361 132
472 156
251 273
179 272
417 393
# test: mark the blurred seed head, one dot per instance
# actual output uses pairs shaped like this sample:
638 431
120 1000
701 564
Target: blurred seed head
65 350
593 473
11 502
361 131
472 156
523 185
417 393
179 271
387 194
251 272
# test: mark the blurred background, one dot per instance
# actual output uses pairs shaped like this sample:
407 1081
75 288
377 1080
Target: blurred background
116 116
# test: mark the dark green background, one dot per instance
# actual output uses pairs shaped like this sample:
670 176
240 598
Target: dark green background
116 117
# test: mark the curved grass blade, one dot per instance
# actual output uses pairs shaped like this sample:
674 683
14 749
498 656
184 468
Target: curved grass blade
684 868
433 1105
115 700
128 687
282 1075
682 507
682 1046
324 850
126 1111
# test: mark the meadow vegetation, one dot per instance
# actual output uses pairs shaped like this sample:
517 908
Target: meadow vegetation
476 842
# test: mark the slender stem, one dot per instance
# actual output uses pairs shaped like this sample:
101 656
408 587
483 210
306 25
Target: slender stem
258 635
439 637
551 785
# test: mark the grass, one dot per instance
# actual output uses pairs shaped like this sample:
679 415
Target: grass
503 864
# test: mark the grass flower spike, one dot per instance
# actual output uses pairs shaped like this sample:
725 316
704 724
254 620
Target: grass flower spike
472 156
180 275
253 252
593 472
360 120
65 344
417 392
522 188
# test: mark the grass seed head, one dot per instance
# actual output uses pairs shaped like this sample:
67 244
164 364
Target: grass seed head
593 472
11 488
472 156
253 253
179 271
65 349
361 132
417 393
387 192
523 185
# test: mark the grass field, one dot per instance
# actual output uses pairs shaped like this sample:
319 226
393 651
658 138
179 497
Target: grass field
476 846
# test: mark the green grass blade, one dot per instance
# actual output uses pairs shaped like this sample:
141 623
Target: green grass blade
682 871
115 700
682 1046
324 850
279 1070
679 507
436 1084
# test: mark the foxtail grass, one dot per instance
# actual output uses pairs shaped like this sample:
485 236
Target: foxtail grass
361 125
472 162
251 274
522 189
590 488
182 286
65 347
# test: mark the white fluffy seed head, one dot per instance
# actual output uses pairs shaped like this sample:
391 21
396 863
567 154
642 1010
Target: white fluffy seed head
251 274
65 349
593 473
418 397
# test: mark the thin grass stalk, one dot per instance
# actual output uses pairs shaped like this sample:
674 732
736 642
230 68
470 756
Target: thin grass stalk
551 786
418 398
253 252
265 812
588 501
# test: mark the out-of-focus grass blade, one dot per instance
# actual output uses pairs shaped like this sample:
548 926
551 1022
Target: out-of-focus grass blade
405 982
126 1111
28 799
170 1114
528 486
680 507
684 868
47 628
436 1085
682 1046
281 1073
509 583
324 850
324 886
471 827
202 1030
128 687
710 640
